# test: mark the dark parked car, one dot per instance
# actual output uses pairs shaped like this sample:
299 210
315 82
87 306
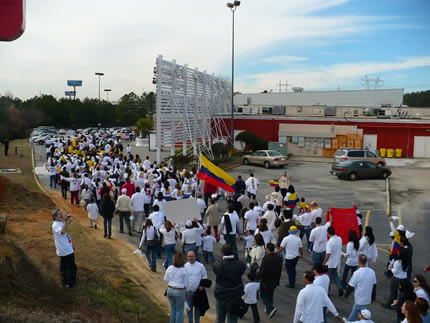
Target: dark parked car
356 169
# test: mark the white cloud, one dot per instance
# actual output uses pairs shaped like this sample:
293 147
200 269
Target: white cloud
318 77
284 59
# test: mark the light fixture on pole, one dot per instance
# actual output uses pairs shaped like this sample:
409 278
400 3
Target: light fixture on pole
99 75
233 7
107 93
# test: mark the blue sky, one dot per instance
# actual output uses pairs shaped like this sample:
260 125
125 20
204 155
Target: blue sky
314 44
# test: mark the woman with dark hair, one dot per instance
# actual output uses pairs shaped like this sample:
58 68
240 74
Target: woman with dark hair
406 294
291 199
170 236
150 238
421 288
265 232
258 250
398 267
167 191
368 246
351 256
107 207
176 277
423 308
411 312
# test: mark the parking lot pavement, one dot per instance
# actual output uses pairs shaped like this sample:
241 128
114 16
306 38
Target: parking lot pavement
313 181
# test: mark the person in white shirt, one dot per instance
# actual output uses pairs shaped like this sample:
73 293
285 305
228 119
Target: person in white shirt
310 302
363 282
137 202
177 193
271 217
147 163
322 279
252 186
421 288
196 272
202 206
208 248
306 220
351 256
398 267
157 217
170 236
74 188
188 240
332 257
318 238
230 226
265 232
65 249
251 219
52 170
151 239
250 297
293 250
176 277
368 245
258 250
93 213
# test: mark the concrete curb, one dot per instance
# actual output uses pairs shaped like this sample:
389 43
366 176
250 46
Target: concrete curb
387 190
231 167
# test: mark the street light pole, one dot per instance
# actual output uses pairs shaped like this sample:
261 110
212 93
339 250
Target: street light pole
233 7
107 93
99 75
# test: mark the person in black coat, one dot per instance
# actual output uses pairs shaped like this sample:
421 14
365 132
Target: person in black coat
107 209
228 283
269 276
239 185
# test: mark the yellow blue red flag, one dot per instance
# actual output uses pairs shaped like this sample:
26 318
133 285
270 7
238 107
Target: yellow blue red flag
214 175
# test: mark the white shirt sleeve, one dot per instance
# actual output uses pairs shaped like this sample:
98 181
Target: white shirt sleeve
299 308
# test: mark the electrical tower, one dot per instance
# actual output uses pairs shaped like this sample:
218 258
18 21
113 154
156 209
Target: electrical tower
372 82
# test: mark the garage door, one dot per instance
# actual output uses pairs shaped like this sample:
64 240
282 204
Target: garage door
422 146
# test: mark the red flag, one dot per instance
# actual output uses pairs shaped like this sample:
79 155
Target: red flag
343 220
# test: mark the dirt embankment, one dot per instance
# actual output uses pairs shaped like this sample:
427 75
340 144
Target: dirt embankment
110 286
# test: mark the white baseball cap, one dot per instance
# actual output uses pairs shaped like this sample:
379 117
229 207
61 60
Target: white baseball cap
401 227
366 314
189 223
124 190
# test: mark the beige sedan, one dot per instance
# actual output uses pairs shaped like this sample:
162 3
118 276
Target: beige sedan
266 158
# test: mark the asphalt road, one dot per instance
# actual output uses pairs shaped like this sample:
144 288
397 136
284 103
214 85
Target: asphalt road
313 181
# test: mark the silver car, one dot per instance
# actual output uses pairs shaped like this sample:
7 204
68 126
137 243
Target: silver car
344 154
266 158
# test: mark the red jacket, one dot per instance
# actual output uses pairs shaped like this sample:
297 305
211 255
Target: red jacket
130 189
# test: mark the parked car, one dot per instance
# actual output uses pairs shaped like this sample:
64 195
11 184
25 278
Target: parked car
41 139
357 154
266 158
62 132
71 132
357 169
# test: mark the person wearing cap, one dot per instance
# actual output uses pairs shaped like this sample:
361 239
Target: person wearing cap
363 282
293 250
316 211
65 249
364 317
311 301
123 206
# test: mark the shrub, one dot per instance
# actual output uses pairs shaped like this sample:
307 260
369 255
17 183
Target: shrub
249 138
220 149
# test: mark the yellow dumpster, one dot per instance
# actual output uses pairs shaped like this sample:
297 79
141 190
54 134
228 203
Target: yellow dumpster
398 153
382 152
390 153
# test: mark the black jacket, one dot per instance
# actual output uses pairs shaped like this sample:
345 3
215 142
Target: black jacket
228 281
107 208
270 271
238 186
200 298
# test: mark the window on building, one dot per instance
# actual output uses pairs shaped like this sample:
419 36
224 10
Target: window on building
301 141
266 110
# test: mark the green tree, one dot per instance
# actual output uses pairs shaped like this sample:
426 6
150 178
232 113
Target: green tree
144 125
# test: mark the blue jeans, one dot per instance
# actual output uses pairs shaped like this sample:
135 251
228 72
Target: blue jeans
325 314
290 266
196 309
177 301
209 256
189 247
221 311
169 252
107 223
306 230
267 298
355 310
151 254
318 257
334 276
231 240
53 179
186 196
346 268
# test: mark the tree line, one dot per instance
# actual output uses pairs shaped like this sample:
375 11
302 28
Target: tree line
417 99
18 117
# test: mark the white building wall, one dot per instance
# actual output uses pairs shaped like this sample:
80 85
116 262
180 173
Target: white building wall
353 98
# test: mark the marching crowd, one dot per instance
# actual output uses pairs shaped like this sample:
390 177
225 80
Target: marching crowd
108 180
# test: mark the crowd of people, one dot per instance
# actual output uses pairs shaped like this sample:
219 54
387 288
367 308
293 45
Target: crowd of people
109 181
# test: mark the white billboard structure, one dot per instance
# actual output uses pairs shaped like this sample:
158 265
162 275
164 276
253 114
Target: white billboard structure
190 105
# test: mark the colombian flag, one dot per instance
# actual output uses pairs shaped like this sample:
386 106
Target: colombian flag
214 175
273 183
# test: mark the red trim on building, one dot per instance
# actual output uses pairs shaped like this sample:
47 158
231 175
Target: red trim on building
390 135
